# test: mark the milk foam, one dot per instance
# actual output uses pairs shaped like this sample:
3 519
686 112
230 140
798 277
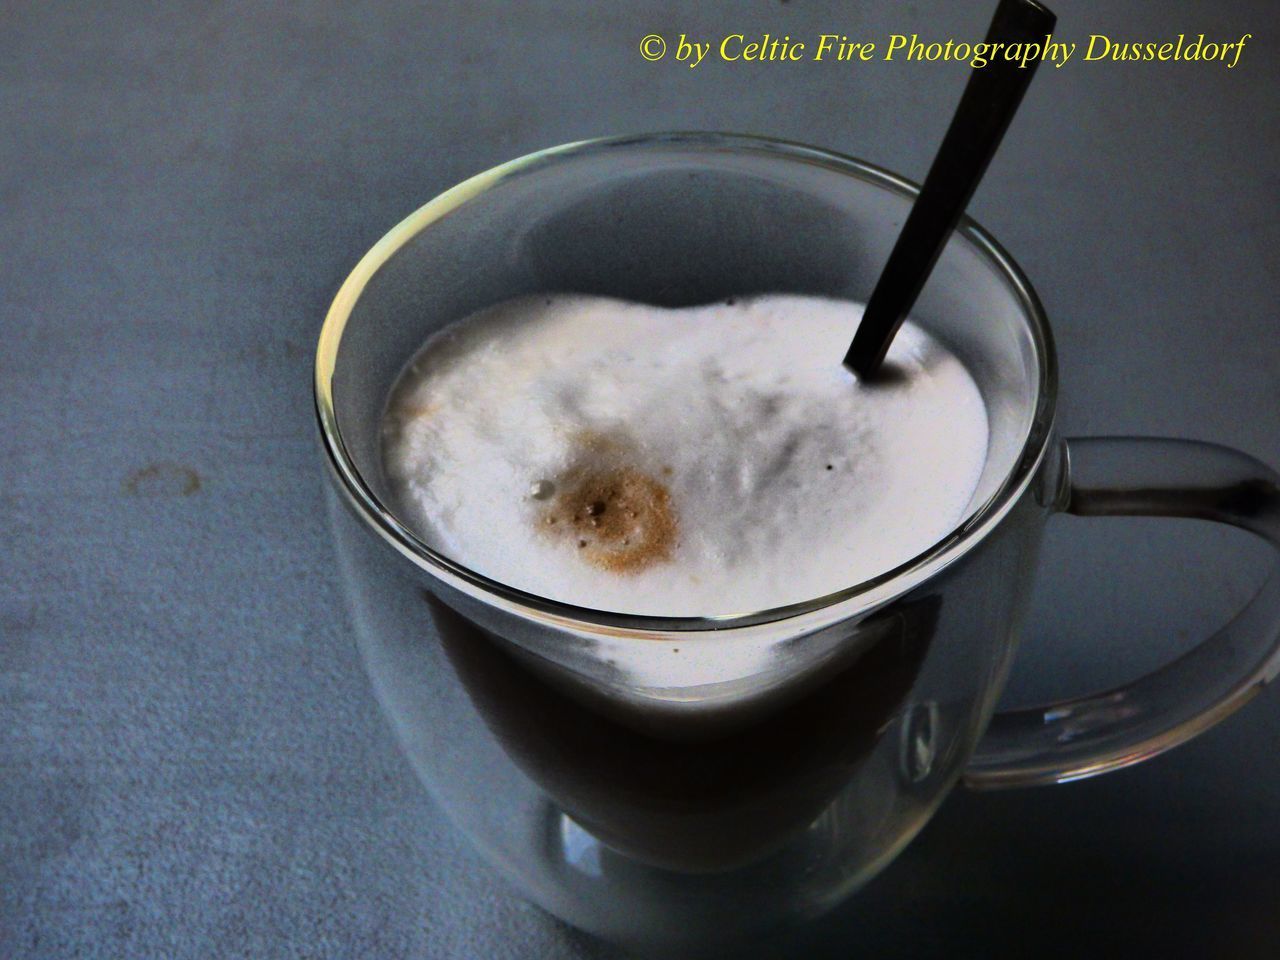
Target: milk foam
708 461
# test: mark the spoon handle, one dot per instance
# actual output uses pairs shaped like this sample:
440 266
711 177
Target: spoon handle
989 102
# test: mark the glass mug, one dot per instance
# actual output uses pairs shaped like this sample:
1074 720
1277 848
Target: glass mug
763 764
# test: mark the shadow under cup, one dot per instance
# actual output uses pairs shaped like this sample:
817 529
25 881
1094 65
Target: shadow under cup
684 781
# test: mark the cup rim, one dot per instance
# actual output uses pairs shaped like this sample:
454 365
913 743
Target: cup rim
864 596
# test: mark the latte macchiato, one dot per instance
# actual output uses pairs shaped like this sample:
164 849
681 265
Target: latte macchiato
706 461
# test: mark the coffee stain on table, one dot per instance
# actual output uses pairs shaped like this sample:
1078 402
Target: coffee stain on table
162 479
272 349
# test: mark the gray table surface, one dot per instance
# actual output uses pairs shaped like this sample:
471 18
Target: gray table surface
191 760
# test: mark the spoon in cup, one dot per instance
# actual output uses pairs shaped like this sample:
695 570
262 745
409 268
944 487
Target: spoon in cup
988 104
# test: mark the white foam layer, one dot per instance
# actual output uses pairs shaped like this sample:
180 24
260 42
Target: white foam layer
774 476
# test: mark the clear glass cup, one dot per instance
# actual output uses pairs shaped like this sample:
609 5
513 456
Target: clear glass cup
716 798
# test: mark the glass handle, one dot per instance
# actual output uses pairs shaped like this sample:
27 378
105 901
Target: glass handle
1146 476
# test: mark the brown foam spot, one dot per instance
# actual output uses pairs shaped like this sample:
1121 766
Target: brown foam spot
416 411
620 518
597 445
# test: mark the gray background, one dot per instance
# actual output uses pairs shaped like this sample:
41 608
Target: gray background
191 761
